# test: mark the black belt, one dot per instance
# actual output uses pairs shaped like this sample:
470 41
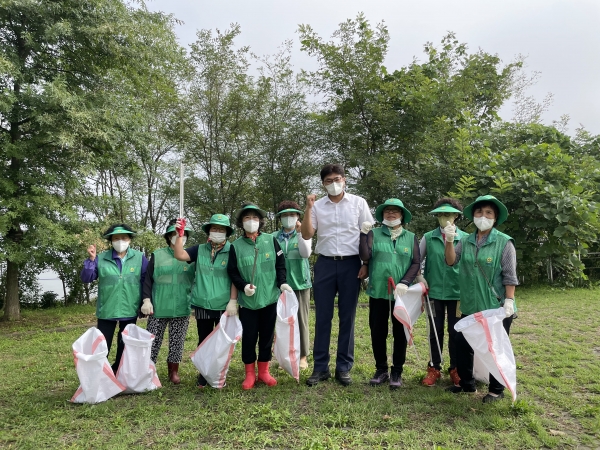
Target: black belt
339 258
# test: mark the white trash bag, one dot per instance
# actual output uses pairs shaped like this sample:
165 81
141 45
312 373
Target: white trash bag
409 307
137 371
213 355
287 334
97 381
486 335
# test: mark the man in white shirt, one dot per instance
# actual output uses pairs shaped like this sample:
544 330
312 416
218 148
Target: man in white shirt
336 219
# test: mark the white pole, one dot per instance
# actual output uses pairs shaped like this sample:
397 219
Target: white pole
181 190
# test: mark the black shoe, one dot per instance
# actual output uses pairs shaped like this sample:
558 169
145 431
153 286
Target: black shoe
491 398
395 381
201 381
316 376
343 377
380 377
459 389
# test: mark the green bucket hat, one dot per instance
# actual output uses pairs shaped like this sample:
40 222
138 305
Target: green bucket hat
445 208
172 228
289 210
502 211
218 219
120 230
406 215
255 208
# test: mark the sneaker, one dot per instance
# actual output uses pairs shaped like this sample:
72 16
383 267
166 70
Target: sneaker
395 381
318 376
380 377
459 389
454 377
201 382
493 398
432 376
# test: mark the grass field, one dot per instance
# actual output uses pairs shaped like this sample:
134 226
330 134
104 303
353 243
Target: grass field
555 339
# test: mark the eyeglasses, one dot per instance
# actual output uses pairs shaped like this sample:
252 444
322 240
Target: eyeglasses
327 182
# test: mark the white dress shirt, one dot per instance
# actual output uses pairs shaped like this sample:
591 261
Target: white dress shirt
338 224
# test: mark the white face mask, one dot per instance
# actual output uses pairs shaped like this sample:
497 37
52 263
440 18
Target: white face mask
120 246
174 239
483 223
217 237
392 223
251 226
335 189
289 222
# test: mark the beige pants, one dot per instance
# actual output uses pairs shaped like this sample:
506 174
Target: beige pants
303 308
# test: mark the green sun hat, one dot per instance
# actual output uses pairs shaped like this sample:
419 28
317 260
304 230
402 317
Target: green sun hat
218 219
120 230
172 228
502 211
445 208
255 208
289 210
406 215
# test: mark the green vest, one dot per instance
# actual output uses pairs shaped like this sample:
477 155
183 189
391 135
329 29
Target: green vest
475 293
265 278
389 260
171 285
212 287
441 278
297 268
119 293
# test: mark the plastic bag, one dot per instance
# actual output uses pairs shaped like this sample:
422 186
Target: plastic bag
137 371
409 307
213 355
97 381
287 334
486 335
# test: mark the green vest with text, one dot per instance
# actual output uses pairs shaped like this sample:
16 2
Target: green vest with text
297 268
212 287
119 292
171 285
441 278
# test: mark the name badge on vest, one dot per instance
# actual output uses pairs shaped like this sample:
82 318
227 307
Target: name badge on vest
406 250
185 268
267 256
223 263
489 261
132 269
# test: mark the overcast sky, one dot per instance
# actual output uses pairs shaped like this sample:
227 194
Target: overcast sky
557 37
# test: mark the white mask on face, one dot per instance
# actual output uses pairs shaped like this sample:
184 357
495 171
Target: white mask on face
217 237
120 246
483 223
289 222
251 226
335 189
392 223
174 239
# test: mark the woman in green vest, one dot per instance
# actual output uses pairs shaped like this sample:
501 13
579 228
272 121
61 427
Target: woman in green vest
296 251
442 282
257 269
389 251
166 300
487 262
120 272
212 291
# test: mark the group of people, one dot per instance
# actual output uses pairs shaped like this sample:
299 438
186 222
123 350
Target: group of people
463 273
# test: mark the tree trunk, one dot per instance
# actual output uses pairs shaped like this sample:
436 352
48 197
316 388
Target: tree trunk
12 309
62 279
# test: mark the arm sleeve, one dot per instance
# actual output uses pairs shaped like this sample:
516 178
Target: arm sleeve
508 263
147 285
365 246
279 264
89 272
192 253
415 266
234 272
423 249
313 217
304 246
365 214
458 252
143 276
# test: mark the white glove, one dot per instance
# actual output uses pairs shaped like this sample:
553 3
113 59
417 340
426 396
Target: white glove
231 309
421 279
366 227
450 232
286 287
249 290
509 306
401 289
147 308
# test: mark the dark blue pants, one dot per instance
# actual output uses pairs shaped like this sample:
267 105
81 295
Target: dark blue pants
335 277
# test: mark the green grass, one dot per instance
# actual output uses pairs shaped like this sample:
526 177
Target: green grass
556 345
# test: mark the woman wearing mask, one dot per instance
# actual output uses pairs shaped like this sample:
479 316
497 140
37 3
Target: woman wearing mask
388 251
212 292
257 268
487 263
166 300
296 251
444 295
120 272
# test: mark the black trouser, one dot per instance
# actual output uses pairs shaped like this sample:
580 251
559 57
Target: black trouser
107 328
436 325
379 312
259 326
205 327
465 362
